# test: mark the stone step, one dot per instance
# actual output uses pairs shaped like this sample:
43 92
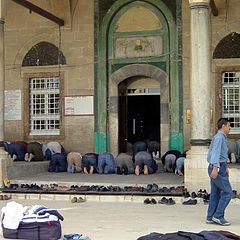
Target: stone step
101 198
24 169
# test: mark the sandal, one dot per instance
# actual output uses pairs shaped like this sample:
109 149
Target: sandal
74 200
5 197
80 200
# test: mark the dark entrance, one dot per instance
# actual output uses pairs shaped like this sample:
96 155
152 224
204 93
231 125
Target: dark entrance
139 119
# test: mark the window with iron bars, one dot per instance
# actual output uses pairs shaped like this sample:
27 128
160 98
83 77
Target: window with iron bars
230 99
44 106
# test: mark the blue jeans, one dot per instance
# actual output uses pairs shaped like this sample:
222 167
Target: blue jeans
106 160
221 193
89 160
58 163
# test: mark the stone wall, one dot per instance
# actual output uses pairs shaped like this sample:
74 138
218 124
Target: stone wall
24 29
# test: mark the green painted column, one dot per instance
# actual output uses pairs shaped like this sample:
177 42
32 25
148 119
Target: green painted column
176 140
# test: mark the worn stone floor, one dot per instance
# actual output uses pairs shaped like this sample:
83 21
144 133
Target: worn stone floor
129 219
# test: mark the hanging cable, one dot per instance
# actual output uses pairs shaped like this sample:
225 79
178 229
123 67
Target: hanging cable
59 50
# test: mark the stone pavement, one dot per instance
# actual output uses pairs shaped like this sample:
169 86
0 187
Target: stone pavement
128 219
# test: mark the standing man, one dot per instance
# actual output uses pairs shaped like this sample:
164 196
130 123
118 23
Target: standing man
221 190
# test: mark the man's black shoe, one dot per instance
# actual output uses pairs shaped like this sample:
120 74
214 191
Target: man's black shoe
153 201
200 193
164 190
190 202
193 195
147 201
154 187
149 187
170 201
186 194
234 193
163 200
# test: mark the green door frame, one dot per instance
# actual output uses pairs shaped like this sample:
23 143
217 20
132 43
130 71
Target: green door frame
101 133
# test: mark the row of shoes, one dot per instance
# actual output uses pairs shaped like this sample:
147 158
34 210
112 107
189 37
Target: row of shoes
150 188
163 200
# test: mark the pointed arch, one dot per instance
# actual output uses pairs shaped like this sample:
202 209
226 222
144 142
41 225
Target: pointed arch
228 47
43 54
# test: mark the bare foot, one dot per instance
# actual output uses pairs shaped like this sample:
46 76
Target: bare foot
180 173
85 170
91 170
137 170
145 171
30 157
26 157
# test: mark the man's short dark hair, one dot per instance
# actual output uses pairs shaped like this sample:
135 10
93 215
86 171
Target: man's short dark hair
221 122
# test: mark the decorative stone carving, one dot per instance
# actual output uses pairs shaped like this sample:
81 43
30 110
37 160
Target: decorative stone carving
132 47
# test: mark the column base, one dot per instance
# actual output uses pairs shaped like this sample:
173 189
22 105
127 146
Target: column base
195 169
5 162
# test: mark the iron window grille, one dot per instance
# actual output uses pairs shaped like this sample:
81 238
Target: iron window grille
44 106
230 100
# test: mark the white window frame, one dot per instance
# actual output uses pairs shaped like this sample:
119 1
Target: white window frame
44 106
231 99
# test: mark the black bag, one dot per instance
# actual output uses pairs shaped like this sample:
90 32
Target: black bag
50 230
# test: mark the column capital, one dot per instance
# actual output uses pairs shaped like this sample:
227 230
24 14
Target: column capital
2 21
199 3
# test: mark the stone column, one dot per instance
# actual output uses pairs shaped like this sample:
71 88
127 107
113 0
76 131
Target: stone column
196 163
4 160
1 79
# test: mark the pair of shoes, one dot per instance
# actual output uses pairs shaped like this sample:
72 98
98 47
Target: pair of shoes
201 193
74 236
221 221
166 201
78 200
150 201
5 197
190 202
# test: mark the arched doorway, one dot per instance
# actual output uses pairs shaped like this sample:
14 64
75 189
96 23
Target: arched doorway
139 111
138 92
137 33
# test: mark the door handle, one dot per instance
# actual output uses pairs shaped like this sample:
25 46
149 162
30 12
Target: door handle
134 126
